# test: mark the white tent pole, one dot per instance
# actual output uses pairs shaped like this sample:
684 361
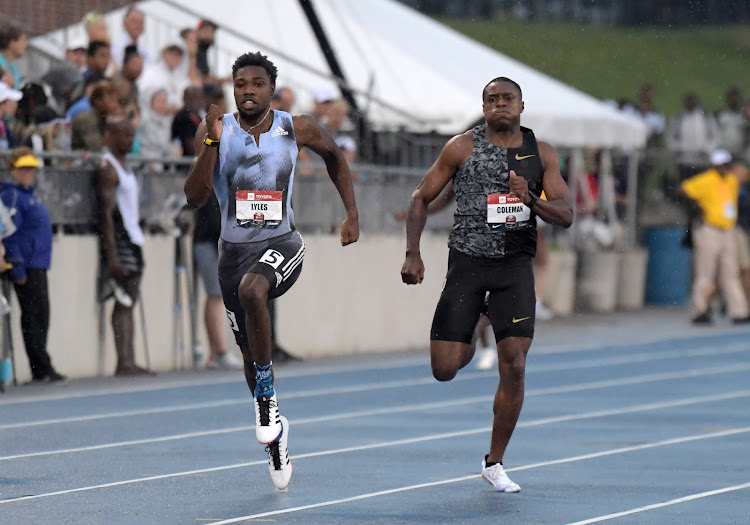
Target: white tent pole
632 209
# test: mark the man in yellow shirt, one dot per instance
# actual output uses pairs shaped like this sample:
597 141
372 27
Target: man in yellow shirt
716 191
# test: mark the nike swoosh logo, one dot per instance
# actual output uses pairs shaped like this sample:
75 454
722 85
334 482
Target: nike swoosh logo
519 320
524 157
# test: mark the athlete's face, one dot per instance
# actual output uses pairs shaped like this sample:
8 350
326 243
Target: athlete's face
502 105
252 91
120 138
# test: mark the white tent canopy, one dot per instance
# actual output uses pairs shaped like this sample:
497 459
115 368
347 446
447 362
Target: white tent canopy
407 71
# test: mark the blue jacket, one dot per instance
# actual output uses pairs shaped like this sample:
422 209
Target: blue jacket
31 244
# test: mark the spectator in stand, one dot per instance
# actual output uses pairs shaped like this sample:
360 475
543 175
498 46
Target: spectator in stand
133 25
13 43
716 193
205 35
132 68
98 59
87 129
75 53
154 131
213 94
186 121
692 135
323 98
29 250
733 124
338 113
167 75
64 83
6 77
8 104
653 119
96 28
190 41
47 131
283 99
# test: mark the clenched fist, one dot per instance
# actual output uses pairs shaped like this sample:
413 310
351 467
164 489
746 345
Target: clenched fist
213 122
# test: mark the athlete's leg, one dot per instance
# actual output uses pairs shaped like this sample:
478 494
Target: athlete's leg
253 296
510 392
123 329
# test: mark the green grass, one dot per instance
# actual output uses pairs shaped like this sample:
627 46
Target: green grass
610 63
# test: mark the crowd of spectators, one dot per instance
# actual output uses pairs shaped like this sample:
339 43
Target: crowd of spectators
163 92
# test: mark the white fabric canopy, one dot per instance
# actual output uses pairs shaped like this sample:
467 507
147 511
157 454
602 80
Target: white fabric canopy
407 70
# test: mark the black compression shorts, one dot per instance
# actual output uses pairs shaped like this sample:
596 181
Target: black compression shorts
502 288
279 260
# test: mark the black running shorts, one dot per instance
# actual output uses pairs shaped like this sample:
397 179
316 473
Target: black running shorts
279 260
502 288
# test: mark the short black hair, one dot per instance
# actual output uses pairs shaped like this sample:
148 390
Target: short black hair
94 46
255 59
130 52
502 79
8 34
213 92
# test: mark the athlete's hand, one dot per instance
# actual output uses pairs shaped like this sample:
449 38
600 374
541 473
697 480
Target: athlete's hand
349 231
519 187
213 122
412 272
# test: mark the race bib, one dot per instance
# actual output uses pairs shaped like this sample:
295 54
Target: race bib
259 208
506 209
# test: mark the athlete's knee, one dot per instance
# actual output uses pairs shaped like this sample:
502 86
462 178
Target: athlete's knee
253 292
443 371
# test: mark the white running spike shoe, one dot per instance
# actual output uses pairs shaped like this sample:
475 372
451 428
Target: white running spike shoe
279 464
486 358
267 419
496 476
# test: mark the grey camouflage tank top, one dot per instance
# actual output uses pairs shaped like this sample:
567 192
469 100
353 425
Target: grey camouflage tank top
486 172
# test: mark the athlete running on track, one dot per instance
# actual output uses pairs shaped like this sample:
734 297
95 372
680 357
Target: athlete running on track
247 158
499 170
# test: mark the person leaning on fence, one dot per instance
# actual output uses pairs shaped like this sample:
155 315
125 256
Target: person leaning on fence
121 239
715 192
29 251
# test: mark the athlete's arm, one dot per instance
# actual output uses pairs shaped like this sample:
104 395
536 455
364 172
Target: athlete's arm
199 182
311 134
453 156
106 182
558 208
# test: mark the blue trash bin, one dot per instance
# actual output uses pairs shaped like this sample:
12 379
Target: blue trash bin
669 272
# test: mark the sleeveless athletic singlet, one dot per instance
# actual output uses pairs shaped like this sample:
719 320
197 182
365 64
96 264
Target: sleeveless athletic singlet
127 213
253 182
487 172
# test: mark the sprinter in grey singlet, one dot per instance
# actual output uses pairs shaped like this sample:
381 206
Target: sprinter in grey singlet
499 170
247 158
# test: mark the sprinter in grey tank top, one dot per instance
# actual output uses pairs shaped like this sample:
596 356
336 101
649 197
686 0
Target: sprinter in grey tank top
247 158
498 171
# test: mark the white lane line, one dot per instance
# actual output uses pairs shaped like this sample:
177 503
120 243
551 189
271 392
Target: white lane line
664 504
403 362
622 450
466 376
404 408
420 439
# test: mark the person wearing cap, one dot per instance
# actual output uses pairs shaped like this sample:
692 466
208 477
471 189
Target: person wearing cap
8 104
715 192
13 44
29 250
75 53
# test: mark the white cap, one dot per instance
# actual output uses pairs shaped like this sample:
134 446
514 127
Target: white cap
77 43
8 93
720 156
325 94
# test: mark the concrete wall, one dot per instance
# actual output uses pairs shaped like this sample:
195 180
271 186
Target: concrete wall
347 300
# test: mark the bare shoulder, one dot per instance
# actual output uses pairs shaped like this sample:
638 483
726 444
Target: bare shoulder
548 154
106 175
304 123
459 148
